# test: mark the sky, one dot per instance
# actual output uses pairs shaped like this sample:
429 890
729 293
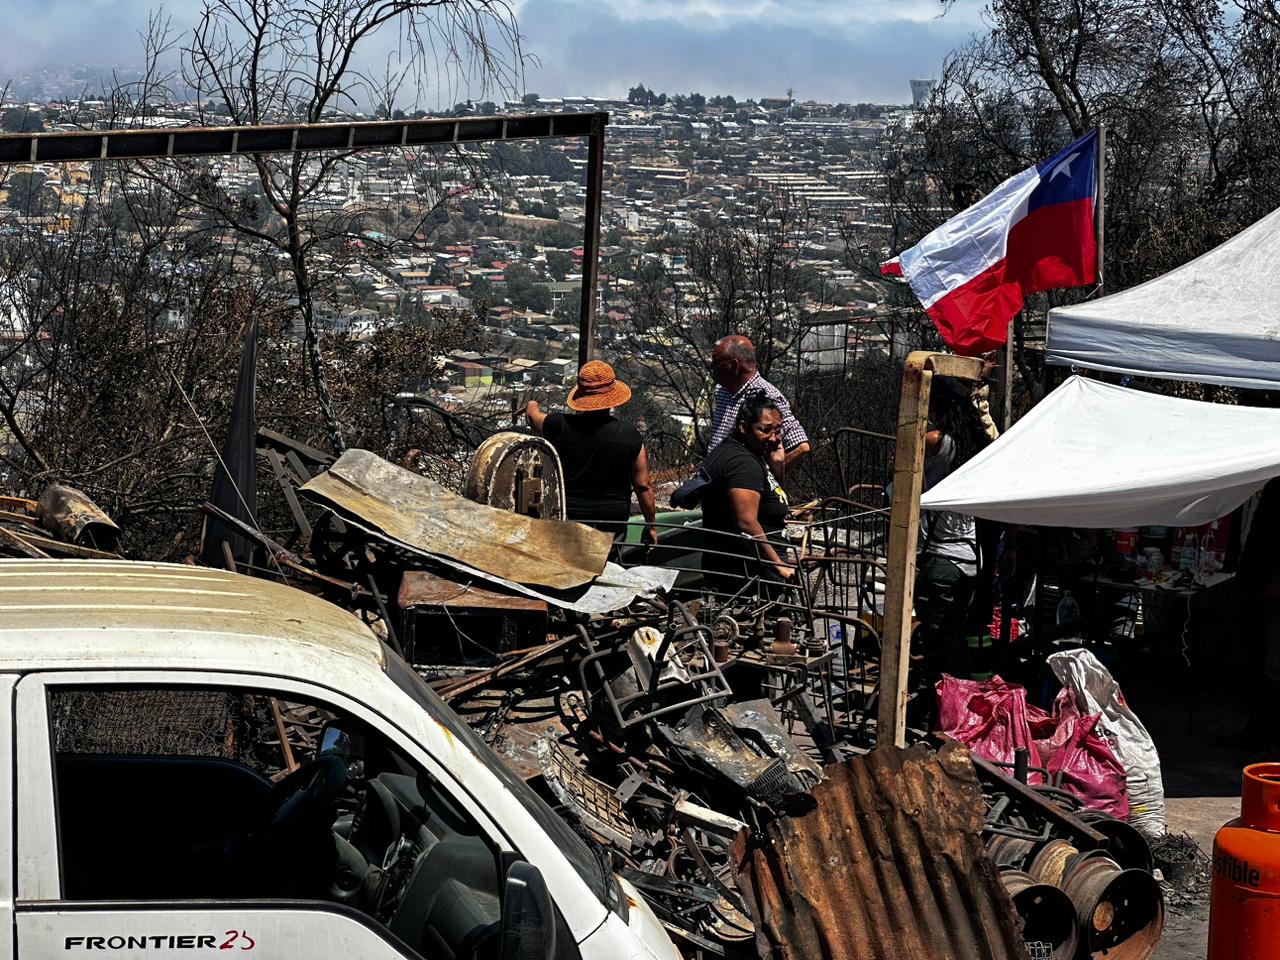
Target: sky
831 50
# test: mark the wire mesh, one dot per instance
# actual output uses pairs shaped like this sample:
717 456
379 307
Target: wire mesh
194 722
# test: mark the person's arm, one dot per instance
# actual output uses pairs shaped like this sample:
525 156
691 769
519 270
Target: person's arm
535 416
746 511
644 495
795 442
792 457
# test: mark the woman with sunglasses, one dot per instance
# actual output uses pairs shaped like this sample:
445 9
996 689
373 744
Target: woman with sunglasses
742 502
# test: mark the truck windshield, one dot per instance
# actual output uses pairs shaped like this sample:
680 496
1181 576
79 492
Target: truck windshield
588 862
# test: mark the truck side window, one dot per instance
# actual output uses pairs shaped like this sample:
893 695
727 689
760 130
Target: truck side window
235 794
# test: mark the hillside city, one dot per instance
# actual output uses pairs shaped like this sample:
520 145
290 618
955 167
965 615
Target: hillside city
502 237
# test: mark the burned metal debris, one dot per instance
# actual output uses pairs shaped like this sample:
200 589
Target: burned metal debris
64 522
1081 880
712 734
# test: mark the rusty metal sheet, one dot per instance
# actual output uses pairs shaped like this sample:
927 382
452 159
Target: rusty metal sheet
887 863
419 588
420 515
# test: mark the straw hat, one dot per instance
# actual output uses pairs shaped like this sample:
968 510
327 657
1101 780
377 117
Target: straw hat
598 388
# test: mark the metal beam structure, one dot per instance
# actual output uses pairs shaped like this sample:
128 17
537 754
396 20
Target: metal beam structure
591 242
195 141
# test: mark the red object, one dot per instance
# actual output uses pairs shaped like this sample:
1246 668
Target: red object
1086 764
997 624
1033 232
989 717
1244 902
891 268
992 717
1049 248
1126 541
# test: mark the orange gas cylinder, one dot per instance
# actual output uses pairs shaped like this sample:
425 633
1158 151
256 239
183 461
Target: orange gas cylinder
1244 909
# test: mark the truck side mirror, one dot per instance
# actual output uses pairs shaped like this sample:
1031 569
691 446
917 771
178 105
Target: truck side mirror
528 916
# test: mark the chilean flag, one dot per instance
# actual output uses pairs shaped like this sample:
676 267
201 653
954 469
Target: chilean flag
1034 232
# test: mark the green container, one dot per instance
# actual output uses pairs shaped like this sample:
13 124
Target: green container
635 526
982 651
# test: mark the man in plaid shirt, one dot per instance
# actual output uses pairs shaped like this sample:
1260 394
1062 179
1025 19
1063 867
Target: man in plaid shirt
733 368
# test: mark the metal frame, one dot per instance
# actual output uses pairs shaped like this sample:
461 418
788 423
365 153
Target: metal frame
195 141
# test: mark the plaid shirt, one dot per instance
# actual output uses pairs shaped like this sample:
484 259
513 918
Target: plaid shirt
728 404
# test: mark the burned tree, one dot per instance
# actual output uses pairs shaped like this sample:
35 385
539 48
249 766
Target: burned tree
262 61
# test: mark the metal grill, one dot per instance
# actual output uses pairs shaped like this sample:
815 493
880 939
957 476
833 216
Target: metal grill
1038 949
592 802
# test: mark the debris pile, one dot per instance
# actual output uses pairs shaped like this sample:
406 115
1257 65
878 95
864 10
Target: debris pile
1081 880
711 739
64 522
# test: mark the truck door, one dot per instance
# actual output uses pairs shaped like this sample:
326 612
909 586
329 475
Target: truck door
7 684
200 815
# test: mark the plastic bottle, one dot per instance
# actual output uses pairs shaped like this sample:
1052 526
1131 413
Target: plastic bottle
1068 609
1188 557
1209 551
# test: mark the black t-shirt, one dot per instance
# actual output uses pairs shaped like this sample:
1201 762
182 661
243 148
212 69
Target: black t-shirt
598 453
732 466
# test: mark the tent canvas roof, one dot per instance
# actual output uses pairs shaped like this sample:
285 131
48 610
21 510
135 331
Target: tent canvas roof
1213 320
1096 455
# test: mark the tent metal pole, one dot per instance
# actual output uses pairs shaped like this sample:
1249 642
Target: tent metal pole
1100 213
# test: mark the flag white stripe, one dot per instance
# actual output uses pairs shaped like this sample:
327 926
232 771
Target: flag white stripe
970 242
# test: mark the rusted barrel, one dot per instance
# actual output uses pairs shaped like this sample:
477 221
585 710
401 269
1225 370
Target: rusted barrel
517 472
72 517
1048 915
1121 912
1125 845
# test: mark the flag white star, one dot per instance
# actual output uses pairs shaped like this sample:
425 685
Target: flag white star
1065 166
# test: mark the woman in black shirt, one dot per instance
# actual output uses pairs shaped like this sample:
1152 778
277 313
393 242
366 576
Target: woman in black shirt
742 499
603 457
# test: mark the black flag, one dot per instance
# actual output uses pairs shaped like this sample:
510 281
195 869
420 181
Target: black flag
235 478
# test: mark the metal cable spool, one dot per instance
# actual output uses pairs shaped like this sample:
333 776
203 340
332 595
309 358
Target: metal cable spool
1048 915
1125 845
1120 912
517 472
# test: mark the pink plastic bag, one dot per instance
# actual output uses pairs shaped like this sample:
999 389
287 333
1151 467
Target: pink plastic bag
1088 766
990 716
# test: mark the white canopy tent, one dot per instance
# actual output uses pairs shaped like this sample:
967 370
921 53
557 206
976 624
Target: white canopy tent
1095 455
1213 320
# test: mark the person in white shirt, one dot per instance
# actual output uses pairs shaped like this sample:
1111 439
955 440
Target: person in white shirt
946 571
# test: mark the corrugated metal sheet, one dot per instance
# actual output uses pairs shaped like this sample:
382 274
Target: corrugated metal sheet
888 863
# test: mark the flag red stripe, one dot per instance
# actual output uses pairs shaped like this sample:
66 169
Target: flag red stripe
1051 247
891 268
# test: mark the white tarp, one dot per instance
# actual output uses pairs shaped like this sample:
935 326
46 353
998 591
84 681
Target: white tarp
1095 455
1213 320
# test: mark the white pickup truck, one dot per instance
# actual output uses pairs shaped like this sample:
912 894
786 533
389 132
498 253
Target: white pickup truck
160 801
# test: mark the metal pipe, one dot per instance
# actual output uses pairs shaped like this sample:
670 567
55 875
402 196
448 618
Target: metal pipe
591 240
